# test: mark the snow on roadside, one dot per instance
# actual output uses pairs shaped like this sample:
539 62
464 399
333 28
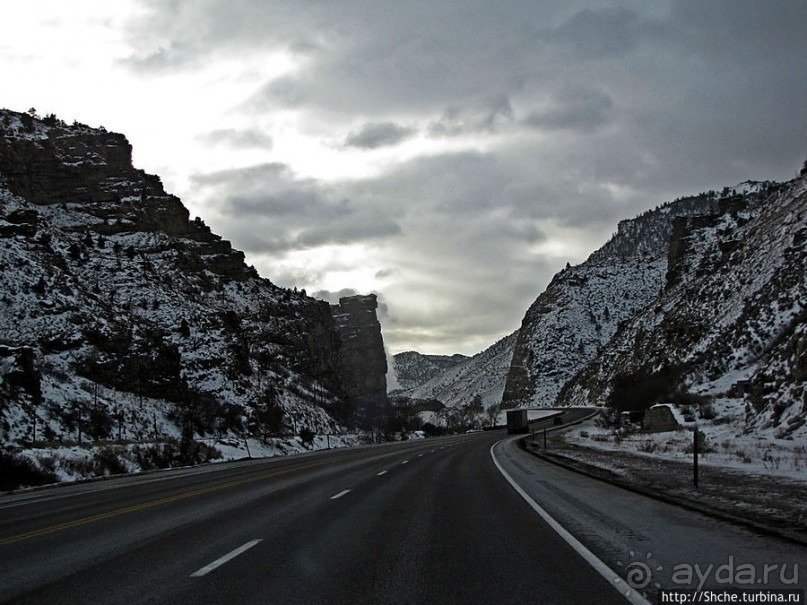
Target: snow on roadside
727 446
236 449
71 463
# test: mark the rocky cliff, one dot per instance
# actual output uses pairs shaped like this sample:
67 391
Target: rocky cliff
700 301
362 360
584 305
730 324
122 317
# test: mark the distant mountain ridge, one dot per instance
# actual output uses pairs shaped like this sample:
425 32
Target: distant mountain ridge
413 369
458 384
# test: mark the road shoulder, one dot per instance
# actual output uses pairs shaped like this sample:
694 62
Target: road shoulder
773 505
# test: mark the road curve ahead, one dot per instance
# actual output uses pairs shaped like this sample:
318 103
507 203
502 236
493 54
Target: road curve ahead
429 521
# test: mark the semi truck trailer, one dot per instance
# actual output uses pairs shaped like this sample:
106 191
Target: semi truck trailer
517 421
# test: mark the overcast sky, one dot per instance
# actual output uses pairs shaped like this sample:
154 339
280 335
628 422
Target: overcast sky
448 155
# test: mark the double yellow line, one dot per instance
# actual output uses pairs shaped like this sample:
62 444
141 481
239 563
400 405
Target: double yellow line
152 503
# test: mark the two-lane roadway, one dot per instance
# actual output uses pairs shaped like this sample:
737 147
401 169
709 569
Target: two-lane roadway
429 521
461 519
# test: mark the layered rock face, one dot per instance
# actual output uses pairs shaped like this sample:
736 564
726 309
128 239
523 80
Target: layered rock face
362 360
730 323
115 303
701 300
91 170
584 306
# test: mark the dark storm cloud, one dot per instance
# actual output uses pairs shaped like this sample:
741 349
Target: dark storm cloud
487 118
598 33
731 107
465 255
599 111
272 191
359 57
388 272
703 87
378 134
287 91
575 109
444 60
269 209
186 35
240 139
735 31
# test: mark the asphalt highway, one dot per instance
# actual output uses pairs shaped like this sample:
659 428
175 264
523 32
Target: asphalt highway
429 521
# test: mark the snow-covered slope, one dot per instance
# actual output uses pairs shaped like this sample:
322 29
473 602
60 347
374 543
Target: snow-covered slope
483 374
730 325
584 306
120 317
412 369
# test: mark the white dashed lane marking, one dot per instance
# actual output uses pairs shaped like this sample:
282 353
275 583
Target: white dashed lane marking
242 549
222 560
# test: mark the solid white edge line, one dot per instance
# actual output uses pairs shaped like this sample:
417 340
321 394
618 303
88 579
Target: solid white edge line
340 494
222 560
606 572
